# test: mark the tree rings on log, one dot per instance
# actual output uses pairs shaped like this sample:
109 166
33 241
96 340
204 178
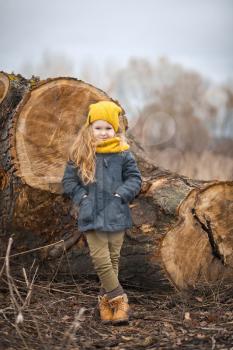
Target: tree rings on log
46 124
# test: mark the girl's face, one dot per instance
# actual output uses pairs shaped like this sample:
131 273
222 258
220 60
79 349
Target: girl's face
102 130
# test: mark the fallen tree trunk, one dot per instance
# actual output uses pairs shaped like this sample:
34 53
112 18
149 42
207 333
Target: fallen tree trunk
182 227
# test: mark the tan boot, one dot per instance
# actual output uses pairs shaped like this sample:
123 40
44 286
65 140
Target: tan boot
106 312
120 309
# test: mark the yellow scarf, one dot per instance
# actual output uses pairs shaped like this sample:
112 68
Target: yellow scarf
111 145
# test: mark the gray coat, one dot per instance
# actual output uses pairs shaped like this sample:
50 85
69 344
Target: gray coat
101 210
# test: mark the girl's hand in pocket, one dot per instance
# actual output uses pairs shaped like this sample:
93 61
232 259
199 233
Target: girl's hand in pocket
75 208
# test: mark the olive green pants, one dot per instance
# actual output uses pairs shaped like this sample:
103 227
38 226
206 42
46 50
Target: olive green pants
105 250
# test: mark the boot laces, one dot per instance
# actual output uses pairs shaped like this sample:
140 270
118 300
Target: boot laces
104 303
119 305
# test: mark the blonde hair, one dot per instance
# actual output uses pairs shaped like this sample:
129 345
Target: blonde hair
82 152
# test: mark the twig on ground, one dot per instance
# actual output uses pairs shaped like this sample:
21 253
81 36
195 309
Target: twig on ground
69 335
33 250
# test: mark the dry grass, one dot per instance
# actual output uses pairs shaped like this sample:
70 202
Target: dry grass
204 166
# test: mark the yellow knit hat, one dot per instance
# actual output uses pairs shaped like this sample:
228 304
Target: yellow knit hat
104 110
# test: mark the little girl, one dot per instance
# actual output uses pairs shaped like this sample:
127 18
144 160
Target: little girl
102 177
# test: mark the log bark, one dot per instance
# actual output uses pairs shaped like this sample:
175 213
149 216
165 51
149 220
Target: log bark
12 89
182 229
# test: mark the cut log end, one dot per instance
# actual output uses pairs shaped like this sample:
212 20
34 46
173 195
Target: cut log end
48 121
200 246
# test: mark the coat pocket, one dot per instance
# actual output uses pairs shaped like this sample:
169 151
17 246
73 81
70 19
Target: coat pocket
85 211
115 211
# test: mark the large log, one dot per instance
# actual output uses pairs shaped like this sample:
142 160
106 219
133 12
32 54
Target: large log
182 229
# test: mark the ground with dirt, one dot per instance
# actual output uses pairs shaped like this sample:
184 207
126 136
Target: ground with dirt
62 315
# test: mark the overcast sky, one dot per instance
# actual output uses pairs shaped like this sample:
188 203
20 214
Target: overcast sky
195 33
